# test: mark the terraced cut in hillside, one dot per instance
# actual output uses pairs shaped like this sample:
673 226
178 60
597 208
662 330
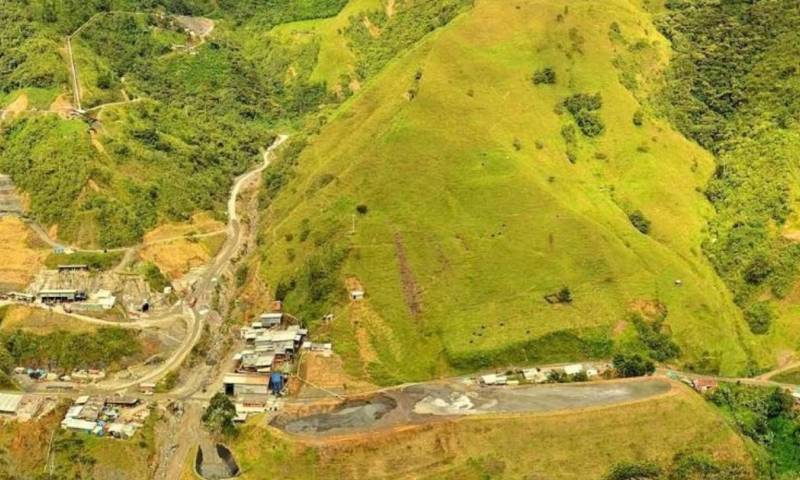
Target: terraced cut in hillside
522 447
503 158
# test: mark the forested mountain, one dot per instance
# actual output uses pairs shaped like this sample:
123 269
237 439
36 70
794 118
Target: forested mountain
506 182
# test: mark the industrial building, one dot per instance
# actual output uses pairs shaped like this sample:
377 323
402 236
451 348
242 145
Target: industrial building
245 384
60 296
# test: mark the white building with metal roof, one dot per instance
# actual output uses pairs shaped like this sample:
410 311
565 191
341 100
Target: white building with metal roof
9 403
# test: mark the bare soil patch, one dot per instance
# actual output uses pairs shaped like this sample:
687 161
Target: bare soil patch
175 249
22 254
62 106
15 108
410 289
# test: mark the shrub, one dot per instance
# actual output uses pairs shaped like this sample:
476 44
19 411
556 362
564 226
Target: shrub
155 278
590 123
564 295
582 102
568 132
759 317
639 221
634 471
659 344
633 365
638 118
758 270
219 415
545 76
241 275
583 108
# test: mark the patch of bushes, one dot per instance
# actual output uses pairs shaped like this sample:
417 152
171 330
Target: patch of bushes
767 416
633 365
733 68
759 317
70 351
583 108
684 465
219 415
409 24
659 343
545 76
638 118
639 221
154 277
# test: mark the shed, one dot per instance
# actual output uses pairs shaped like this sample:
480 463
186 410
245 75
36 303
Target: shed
494 379
704 385
534 375
269 320
357 295
122 401
74 267
243 384
70 423
9 402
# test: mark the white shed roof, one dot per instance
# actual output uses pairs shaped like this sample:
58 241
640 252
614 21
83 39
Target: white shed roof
9 402
77 424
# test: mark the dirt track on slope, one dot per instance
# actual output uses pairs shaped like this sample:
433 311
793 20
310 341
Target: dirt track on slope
425 403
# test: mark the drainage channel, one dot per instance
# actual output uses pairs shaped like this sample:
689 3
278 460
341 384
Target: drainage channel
216 464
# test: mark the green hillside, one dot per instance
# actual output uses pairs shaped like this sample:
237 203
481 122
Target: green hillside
481 191
186 115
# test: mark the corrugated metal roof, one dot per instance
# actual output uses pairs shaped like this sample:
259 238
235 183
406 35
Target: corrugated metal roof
239 379
77 424
9 402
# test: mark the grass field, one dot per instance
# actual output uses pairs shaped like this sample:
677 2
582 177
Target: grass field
40 321
475 212
521 447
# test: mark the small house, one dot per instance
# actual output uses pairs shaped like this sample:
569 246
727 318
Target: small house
9 403
494 379
270 320
535 375
573 369
357 295
704 385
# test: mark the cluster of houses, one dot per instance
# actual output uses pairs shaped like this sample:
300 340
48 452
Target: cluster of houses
544 374
261 368
115 416
80 376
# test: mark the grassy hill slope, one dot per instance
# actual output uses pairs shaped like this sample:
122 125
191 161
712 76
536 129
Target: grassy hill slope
477 205
576 445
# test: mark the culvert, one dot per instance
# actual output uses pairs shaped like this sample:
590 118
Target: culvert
218 464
